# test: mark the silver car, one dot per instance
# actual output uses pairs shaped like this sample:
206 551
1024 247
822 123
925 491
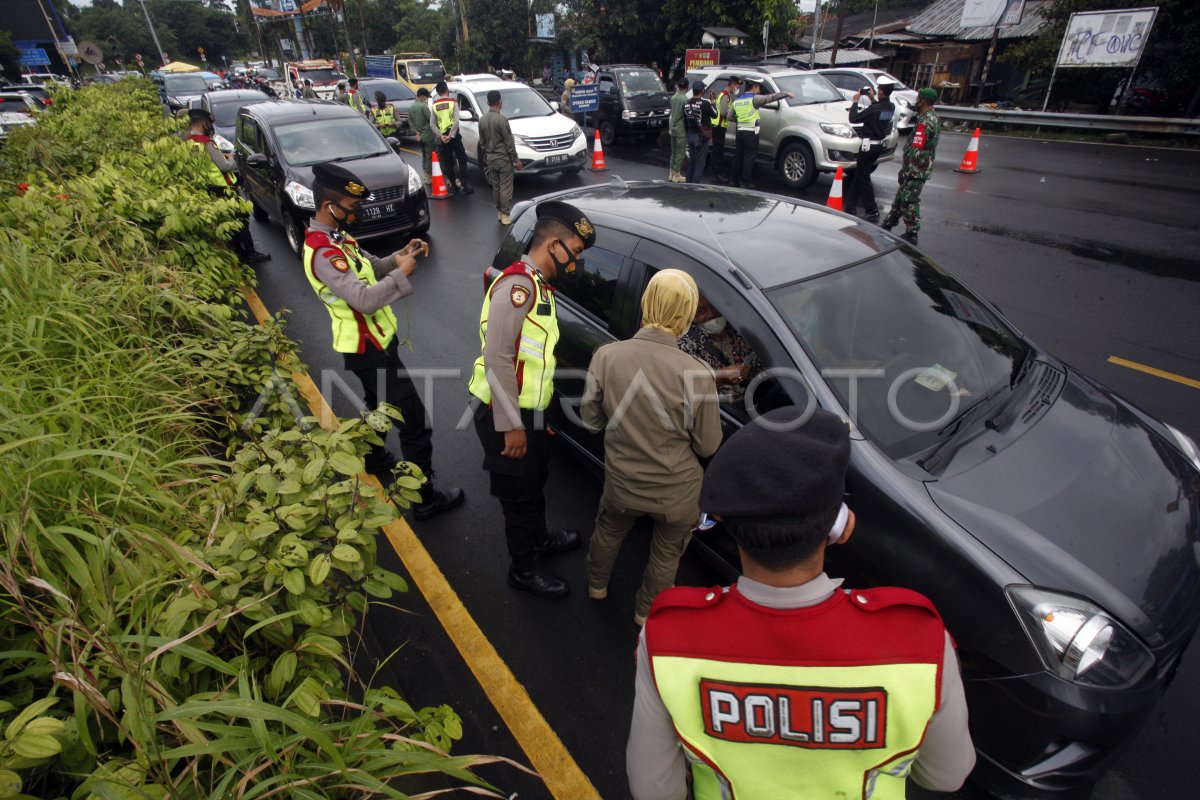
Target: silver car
849 80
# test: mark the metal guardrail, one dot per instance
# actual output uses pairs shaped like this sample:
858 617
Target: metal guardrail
1095 122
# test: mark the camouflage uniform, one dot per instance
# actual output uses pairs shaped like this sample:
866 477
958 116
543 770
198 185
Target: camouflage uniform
918 166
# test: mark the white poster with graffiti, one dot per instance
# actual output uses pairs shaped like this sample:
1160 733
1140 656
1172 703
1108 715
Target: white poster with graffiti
1106 38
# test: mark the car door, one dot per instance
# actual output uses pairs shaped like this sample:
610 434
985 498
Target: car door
469 128
256 181
770 120
610 101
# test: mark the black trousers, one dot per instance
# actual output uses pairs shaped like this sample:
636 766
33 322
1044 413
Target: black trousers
743 157
385 380
518 483
453 157
717 152
859 189
242 242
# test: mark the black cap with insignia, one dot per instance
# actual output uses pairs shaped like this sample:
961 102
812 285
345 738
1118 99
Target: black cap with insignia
199 114
570 216
339 179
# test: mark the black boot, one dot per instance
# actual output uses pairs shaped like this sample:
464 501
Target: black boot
888 223
909 236
536 580
434 501
557 542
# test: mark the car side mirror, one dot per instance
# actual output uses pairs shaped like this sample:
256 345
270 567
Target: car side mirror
393 142
258 161
466 116
554 104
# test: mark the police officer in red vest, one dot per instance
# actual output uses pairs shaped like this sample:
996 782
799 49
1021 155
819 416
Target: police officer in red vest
787 684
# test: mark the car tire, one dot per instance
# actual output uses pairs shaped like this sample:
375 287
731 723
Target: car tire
295 233
796 166
608 134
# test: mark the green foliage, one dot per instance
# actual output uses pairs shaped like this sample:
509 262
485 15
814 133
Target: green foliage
181 29
186 559
10 63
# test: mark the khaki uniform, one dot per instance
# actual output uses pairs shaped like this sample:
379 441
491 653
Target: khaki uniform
500 153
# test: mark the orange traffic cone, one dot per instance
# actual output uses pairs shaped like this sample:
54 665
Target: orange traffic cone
598 156
439 183
835 192
970 162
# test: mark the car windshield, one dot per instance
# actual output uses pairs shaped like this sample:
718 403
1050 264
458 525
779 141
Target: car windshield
15 104
809 89
903 344
184 84
266 72
426 71
225 112
640 83
321 77
520 102
305 143
392 90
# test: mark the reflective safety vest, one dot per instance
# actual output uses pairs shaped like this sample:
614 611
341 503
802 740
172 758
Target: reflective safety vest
444 109
352 330
212 172
747 114
354 100
719 120
534 361
830 700
385 119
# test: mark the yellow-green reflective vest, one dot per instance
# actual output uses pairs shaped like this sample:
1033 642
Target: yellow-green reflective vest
443 112
354 100
719 120
534 362
825 701
212 173
747 114
385 119
353 332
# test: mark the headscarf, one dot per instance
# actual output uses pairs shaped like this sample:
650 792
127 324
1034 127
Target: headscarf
669 303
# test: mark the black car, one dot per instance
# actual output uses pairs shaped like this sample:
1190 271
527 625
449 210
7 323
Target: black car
224 105
1055 526
399 96
633 102
278 142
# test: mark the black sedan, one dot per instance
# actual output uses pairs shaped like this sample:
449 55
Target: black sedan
1055 525
278 142
224 105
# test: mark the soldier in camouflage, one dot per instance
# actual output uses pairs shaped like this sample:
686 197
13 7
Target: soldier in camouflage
918 166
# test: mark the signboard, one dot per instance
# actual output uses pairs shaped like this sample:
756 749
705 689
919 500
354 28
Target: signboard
1013 14
90 53
68 47
1106 38
585 98
982 13
33 57
287 5
696 58
380 67
545 26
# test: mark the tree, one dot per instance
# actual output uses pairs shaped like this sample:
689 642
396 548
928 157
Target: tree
10 56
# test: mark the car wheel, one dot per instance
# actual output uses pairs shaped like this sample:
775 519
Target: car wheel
295 233
483 167
796 166
608 134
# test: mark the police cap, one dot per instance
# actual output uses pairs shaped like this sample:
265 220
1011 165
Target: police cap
199 115
570 216
339 179
776 467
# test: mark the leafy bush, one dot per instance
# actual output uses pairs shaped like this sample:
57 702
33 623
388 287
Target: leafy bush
183 566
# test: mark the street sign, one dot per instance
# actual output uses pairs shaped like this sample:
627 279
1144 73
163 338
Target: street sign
585 98
1106 38
33 57
138 58
694 58
90 53
68 46
166 59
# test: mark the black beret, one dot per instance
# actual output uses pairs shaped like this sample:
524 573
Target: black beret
570 216
339 179
195 114
776 467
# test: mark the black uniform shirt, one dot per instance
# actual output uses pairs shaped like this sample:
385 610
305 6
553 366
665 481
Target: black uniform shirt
876 119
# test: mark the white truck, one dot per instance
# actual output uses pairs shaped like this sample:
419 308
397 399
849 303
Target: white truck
323 73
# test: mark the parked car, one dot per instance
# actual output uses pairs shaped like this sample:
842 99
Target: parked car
398 95
179 91
1053 524
215 82
44 79
40 94
802 136
18 103
278 142
633 102
850 80
546 141
224 105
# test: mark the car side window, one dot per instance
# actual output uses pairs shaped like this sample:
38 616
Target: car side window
595 289
248 134
606 84
464 103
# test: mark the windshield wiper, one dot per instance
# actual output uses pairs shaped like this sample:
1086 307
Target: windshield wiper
1019 368
952 429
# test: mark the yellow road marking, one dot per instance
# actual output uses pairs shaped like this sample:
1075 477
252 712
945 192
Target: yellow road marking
541 744
1158 373
406 150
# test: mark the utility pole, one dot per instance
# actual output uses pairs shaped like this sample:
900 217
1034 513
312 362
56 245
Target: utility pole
54 35
812 57
153 34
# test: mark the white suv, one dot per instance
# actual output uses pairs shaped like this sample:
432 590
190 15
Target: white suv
853 79
801 136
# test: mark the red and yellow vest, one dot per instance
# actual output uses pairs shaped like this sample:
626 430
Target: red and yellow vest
825 701
212 172
353 331
534 360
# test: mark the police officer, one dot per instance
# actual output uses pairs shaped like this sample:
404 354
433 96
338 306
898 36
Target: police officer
358 289
384 115
917 167
451 153
787 684
308 93
354 99
514 380
720 123
221 176
744 111
876 125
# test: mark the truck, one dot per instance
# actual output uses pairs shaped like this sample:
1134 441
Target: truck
323 73
412 69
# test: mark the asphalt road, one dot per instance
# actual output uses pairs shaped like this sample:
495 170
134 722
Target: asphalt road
1090 250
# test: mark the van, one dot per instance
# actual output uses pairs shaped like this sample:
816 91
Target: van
633 102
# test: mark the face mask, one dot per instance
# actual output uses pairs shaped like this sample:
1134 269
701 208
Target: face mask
568 271
347 219
713 326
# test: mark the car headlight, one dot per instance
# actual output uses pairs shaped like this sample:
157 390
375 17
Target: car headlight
627 114
834 129
414 181
1188 446
578 132
1077 640
223 144
521 140
301 195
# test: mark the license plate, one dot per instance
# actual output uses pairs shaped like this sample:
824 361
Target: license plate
378 212
560 159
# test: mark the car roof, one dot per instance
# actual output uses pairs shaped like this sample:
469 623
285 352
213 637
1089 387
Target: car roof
234 94
775 240
281 112
482 85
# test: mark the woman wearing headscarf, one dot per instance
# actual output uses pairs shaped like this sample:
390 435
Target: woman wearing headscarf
658 409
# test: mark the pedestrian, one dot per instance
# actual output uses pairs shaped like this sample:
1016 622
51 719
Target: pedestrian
744 111
500 153
221 178
564 102
917 167
354 99
339 94
876 126
419 117
309 92
514 380
451 153
720 123
785 684
678 133
698 114
657 407
357 290
384 115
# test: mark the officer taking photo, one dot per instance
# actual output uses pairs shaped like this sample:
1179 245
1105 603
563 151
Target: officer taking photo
787 684
875 125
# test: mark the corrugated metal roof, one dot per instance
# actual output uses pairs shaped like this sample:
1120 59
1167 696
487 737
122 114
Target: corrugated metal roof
847 55
944 18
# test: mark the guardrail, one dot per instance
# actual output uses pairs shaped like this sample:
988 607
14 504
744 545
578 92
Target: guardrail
1095 122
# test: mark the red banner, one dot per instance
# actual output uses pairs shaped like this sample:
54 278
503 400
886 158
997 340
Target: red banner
695 58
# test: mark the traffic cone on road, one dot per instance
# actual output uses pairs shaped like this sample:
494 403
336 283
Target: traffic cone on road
439 183
598 156
835 192
970 162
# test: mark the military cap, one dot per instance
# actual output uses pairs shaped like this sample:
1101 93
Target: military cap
570 216
776 467
339 179
928 94
199 114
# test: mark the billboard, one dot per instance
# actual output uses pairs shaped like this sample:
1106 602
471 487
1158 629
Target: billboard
694 58
982 13
545 26
1106 38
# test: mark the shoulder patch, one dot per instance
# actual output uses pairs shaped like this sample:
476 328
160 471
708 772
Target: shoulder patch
339 263
519 295
315 239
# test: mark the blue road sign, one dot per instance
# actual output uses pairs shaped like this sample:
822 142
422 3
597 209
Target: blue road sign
33 57
585 98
